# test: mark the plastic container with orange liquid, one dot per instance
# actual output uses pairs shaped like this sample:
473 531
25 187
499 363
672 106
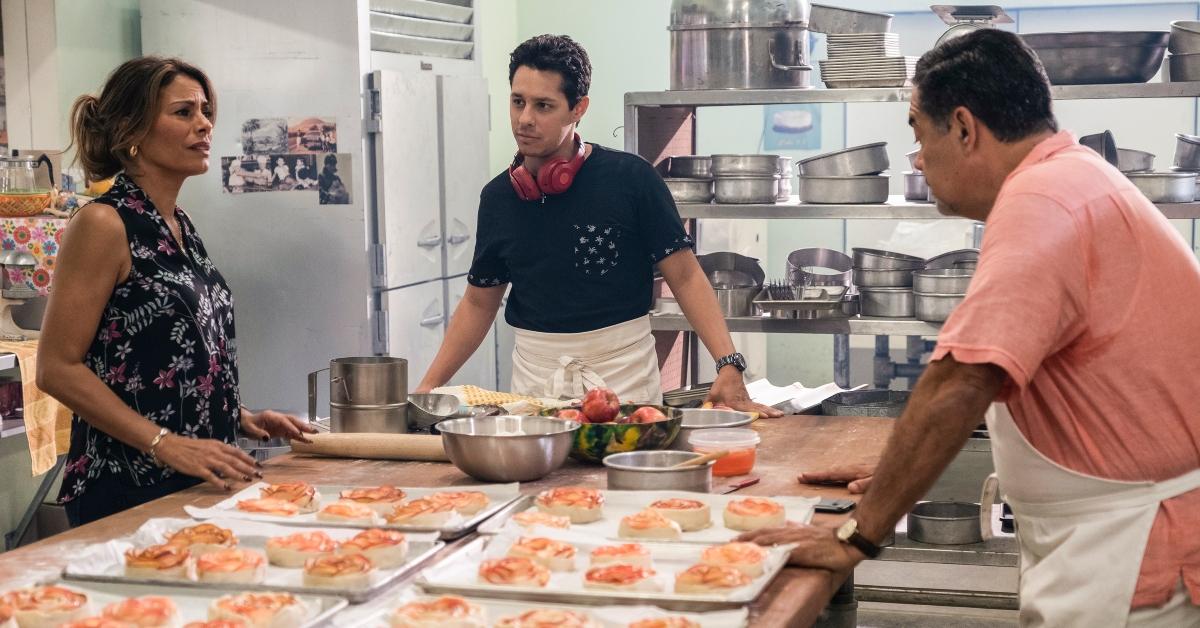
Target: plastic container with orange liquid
741 443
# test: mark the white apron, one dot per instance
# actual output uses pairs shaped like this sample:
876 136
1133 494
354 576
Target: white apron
566 366
1082 538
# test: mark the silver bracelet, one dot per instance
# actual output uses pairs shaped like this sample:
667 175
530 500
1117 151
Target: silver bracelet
153 449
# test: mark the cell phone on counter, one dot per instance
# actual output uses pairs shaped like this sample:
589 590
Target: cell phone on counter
836 506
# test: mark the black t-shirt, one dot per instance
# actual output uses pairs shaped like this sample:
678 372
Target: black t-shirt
582 260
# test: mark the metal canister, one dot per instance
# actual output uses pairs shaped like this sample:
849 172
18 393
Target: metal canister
366 394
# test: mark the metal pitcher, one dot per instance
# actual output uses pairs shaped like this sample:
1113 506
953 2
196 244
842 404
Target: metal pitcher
366 394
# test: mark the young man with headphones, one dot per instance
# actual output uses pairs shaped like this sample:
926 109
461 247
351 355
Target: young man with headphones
577 230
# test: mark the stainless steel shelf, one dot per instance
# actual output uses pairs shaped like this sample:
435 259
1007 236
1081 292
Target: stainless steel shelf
860 325
12 427
1000 551
897 208
737 97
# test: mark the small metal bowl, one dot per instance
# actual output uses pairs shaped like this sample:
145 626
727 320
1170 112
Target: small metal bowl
916 189
427 410
1187 152
508 448
648 471
707 418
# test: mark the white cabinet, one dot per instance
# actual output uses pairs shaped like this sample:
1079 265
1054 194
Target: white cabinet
464 137
480 370
416 318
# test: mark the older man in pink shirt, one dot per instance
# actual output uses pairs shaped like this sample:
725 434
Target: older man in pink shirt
1083 318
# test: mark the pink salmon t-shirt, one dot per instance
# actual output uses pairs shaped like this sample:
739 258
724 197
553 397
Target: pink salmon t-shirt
1089 300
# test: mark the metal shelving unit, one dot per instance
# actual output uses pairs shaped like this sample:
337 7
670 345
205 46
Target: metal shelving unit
864 325
897 208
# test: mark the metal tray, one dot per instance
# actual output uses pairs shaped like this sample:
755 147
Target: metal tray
866 83
500 494
620 503
458 574
193 603
417 27
105 562
375 615
422 46
441 11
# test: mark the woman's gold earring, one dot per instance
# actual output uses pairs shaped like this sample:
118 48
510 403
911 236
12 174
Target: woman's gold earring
133 151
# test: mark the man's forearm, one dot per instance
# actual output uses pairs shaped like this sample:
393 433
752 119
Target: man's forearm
948 403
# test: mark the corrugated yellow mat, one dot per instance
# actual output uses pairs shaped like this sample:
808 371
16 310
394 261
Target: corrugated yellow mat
47 422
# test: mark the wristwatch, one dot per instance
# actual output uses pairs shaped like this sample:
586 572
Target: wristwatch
736 359
848 533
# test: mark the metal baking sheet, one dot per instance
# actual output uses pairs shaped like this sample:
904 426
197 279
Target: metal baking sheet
621 503
500 494
865 83
458 574
193 603
106 563
375 614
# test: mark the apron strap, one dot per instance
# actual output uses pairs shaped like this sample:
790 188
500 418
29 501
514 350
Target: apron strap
572 378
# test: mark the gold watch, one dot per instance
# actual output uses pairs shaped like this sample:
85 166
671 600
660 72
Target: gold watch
848 533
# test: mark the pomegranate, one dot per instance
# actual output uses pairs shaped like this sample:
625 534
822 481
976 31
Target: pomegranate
571 414
600 405
647 414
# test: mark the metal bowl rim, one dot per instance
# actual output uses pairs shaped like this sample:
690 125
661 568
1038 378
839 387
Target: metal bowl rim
972 517
1189 26
570 427
1181 174
1111 42
843 151
625 467
747 419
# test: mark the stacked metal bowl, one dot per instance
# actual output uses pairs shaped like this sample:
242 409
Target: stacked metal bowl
851 176
916 189
689 178
1174 186
1183 64
942 285
884 280
746 179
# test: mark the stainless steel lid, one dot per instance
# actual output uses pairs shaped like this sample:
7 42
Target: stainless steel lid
692 14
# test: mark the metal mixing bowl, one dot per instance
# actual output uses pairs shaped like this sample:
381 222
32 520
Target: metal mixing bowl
707 418
647 471
508 448
427 410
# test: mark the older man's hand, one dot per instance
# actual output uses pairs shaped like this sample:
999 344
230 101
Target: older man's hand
856 477
816 546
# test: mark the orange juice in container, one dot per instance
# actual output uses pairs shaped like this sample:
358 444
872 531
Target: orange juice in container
741 443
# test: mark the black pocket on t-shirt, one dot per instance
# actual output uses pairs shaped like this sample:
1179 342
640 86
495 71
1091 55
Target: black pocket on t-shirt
596 249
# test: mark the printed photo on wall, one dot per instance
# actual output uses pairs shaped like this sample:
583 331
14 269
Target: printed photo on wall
269 173
332 187
312 135
792 127
264 136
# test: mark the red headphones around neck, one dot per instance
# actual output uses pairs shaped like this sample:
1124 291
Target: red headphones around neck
554 177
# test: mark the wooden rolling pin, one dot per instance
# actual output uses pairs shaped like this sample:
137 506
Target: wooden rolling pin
421 447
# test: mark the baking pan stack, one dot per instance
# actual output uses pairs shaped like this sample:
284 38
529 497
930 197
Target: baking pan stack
866 60
885 282
851 176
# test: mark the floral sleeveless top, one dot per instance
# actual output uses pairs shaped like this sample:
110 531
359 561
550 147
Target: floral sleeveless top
165 346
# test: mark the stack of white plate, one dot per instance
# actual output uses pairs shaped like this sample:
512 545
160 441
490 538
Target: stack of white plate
866 60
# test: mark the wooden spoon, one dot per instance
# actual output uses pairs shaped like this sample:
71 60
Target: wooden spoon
695 462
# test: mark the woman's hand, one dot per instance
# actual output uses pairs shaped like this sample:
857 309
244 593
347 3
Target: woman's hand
210 460
272 424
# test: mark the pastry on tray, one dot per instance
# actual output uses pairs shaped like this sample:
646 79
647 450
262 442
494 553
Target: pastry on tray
673 621
422 513
626 553
464 502
344 571
622 577
348 513
531 518
554 555
240 566
203 538
293 550
513 571
690 514
382 499
46 606
579 504
302 494
159 562
648 524
387 549
544 618
150 611
260 610
747 558
269 506
706 579
215 623
448 611
752 513
98 621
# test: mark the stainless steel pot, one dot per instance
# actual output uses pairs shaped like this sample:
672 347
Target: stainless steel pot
883 403
745 165
690 190
366 394
743 190
647 471
1185 37
1187 152
827 19
857 190
876 259
848 162
690 166
882 278
703 419
942 280
508 448
802 265
1166 187
739 44
935 308
915 187
737 301
886 302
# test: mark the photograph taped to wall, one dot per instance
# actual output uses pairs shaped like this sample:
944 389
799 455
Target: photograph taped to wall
312 135
264 136
792 127
332 186
269 173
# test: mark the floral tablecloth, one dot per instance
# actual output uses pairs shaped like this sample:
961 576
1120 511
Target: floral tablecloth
39 235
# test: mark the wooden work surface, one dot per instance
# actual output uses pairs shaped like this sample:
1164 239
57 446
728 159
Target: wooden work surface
789 445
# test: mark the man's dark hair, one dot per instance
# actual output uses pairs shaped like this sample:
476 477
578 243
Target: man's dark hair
555 53
994 75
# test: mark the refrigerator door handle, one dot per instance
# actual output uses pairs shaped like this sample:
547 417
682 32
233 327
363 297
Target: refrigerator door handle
432 321
430 242
459 239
